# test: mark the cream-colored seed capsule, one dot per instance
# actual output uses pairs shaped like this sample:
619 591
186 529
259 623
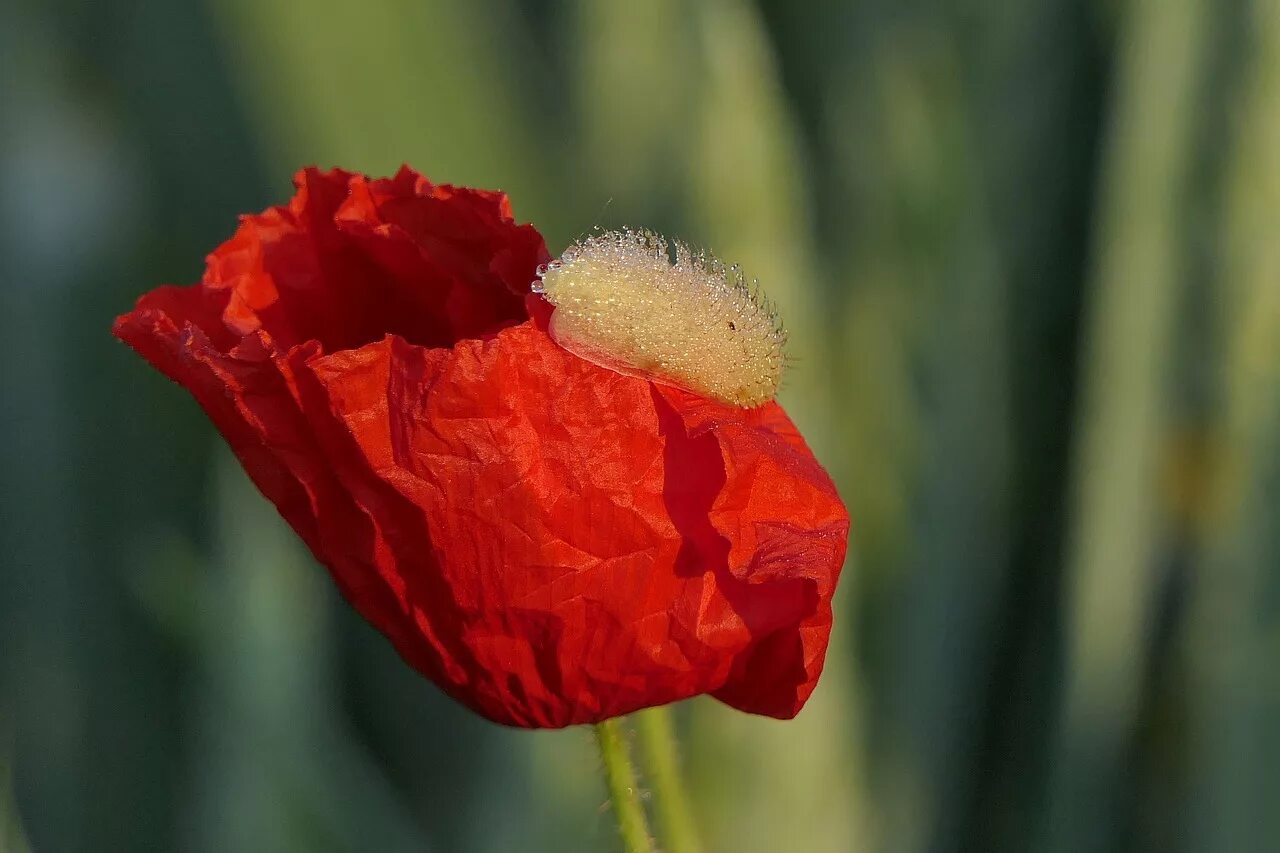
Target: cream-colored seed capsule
623 303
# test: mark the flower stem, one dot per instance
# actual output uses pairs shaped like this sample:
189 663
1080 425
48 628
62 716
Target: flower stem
624 791
662 762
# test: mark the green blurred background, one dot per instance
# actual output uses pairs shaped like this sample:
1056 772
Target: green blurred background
1028 251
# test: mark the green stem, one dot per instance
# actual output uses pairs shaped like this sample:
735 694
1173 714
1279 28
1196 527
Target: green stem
624 791
657 736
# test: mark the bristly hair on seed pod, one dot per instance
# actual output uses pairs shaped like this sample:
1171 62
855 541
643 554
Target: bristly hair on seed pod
623 302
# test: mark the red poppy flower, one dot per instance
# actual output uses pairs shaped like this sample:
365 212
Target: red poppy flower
549 541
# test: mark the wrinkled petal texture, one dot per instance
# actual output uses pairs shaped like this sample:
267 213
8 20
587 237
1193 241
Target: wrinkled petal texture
548 541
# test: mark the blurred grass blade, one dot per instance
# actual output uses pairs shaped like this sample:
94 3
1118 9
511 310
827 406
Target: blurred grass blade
1235 630
632 65
768 786
369 86
720 142
694 117
749 197
928 426
277 771
1129 345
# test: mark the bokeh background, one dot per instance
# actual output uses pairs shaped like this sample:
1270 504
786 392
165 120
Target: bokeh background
1030 255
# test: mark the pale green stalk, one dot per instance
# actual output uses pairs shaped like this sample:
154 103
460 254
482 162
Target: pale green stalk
658 745
624 789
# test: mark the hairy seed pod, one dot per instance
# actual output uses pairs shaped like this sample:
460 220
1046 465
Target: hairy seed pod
622 301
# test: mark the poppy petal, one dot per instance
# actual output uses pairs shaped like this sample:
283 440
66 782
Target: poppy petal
548 541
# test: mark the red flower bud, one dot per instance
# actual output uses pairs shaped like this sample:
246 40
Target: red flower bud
549 541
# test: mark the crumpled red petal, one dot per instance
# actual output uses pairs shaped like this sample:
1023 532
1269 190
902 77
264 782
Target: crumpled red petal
549 542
